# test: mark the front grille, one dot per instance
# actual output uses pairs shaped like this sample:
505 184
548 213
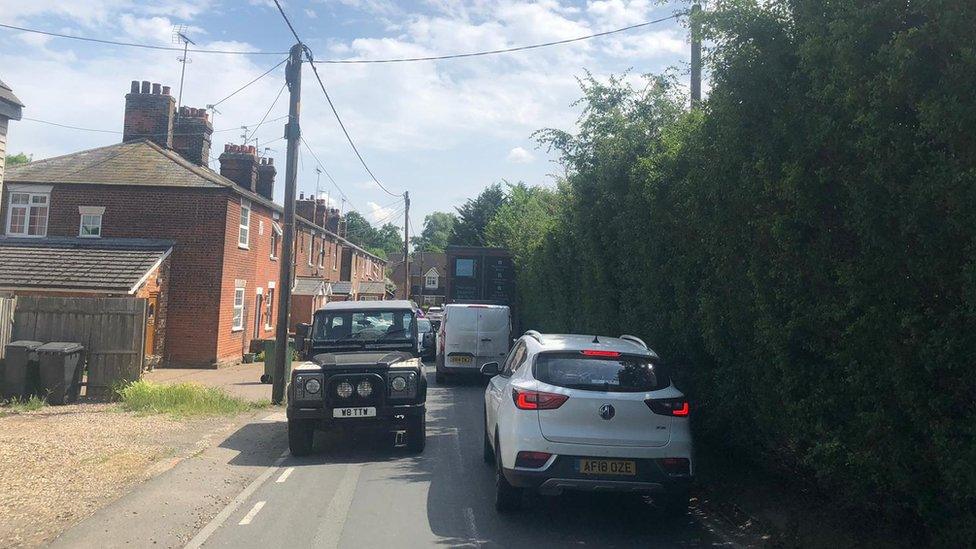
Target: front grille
376 397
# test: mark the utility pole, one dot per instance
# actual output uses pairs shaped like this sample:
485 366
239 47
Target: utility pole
406 245
696 62
293 77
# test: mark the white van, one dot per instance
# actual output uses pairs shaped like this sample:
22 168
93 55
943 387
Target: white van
470 336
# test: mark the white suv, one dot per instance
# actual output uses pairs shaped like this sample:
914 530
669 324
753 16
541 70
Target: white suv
574 412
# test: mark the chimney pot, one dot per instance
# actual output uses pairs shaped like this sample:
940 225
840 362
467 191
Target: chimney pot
226 147
252 149
156 89
134 88
148 115
165 90
193 136
145 86
271 161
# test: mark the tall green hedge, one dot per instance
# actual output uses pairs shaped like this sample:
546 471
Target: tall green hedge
804 243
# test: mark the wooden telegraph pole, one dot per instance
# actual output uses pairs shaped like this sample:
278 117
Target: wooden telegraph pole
696 61
293 77
406 245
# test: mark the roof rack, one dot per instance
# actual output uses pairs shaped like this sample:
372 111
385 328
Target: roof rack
534 334
635 340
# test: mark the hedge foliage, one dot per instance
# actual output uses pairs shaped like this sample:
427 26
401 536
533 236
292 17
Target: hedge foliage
804 243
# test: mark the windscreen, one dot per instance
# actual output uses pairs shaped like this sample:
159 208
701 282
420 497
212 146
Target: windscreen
624 374
364 326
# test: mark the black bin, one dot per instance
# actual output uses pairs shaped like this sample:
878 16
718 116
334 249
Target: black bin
20 378
60 366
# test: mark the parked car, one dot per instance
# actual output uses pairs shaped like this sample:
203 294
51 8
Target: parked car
435 314
470 336
573 412
425 331
360 373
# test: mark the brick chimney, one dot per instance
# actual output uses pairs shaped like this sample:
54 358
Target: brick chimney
239 163
305 207
332 220
191 135
266 177
149 114
321 212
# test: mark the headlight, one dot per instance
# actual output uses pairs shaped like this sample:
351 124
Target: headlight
312 386
399 383
364 389
344 390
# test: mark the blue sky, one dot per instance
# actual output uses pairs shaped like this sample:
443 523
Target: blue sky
442 130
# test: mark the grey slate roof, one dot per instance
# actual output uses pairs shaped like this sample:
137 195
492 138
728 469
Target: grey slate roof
10 106
84 264
372 288
343 288
308 286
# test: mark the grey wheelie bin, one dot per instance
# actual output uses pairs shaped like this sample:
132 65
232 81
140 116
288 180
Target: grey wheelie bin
20 371
269 359
61 368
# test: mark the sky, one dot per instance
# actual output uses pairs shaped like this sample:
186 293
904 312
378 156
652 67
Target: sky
441 130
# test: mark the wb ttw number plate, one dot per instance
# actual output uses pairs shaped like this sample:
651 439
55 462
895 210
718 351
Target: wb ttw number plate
354 412
607 467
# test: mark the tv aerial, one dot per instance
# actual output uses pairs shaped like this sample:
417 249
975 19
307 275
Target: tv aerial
180 37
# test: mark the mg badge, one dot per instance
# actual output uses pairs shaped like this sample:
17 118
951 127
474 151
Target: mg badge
607 412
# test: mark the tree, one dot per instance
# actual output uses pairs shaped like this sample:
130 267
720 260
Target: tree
387 238
475 215
18 159
438 228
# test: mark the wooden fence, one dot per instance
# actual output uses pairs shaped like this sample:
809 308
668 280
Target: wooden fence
6 322
112 329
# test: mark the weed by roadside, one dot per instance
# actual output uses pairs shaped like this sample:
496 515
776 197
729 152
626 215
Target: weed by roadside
18 406
182 400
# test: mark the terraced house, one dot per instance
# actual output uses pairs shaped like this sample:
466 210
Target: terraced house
203 247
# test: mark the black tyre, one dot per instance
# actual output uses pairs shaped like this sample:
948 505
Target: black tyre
674 504
507 497
417 434
300 436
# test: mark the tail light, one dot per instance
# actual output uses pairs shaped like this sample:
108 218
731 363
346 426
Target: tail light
675 466
537 400
531 460
677 407
605 354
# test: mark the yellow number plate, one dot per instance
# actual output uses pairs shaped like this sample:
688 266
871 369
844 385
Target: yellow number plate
607 467
461 359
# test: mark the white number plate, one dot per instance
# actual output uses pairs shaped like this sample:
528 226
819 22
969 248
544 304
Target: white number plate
354 412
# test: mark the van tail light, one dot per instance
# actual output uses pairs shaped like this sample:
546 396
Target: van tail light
675 466
677 407
531 460
537 400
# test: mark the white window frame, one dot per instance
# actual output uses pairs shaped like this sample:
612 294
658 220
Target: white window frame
335 255
428 277
311 247
275 241
93 212
29 207
269 306
244 231
237 321
322 254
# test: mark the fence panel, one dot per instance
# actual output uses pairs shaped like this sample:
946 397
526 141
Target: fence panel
111 329
6 322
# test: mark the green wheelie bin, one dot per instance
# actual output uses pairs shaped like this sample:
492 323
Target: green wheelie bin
61 366
20 378
269 360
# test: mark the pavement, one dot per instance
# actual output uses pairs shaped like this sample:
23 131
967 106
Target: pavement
249 492
241 380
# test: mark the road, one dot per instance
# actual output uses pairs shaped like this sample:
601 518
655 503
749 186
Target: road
360 493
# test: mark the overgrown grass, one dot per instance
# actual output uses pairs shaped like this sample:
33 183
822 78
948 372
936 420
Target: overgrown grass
182 400
17 406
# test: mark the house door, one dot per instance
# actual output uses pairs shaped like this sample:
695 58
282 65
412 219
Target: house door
258 301
152 303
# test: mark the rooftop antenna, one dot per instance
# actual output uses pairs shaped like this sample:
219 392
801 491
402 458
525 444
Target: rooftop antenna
244 135
179 36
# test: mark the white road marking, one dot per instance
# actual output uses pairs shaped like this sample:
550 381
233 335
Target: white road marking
330 530
251 514
204 534
284 476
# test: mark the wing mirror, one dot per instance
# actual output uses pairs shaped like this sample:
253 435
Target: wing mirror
491 369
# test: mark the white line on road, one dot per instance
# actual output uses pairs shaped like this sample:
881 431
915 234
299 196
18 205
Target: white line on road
330 530
212 526
251 514
284 476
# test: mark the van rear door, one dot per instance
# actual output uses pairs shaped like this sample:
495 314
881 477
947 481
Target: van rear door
494 333
460 337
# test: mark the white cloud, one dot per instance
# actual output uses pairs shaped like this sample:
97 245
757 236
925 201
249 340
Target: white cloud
310 13
519 155
379 214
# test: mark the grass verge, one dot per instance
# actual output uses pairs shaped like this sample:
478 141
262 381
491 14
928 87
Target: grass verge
17 406
182 400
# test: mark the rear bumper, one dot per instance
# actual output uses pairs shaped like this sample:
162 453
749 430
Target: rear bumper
563 475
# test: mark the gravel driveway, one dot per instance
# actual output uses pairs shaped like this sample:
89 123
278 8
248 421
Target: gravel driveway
59 464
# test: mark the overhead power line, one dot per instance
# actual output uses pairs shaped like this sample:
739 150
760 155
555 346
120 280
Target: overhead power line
266 73
326 172
137 45
70 127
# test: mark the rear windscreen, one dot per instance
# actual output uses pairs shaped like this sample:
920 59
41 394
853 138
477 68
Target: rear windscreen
618 374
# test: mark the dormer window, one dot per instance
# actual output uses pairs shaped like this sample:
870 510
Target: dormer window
91 221
27 213
431 279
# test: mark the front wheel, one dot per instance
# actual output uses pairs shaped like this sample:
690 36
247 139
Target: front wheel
417 434
300 437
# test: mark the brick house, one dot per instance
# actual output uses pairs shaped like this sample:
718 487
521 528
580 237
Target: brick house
224 227
428 278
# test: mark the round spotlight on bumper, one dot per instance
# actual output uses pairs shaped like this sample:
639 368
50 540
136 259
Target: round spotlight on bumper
344 390
364 389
